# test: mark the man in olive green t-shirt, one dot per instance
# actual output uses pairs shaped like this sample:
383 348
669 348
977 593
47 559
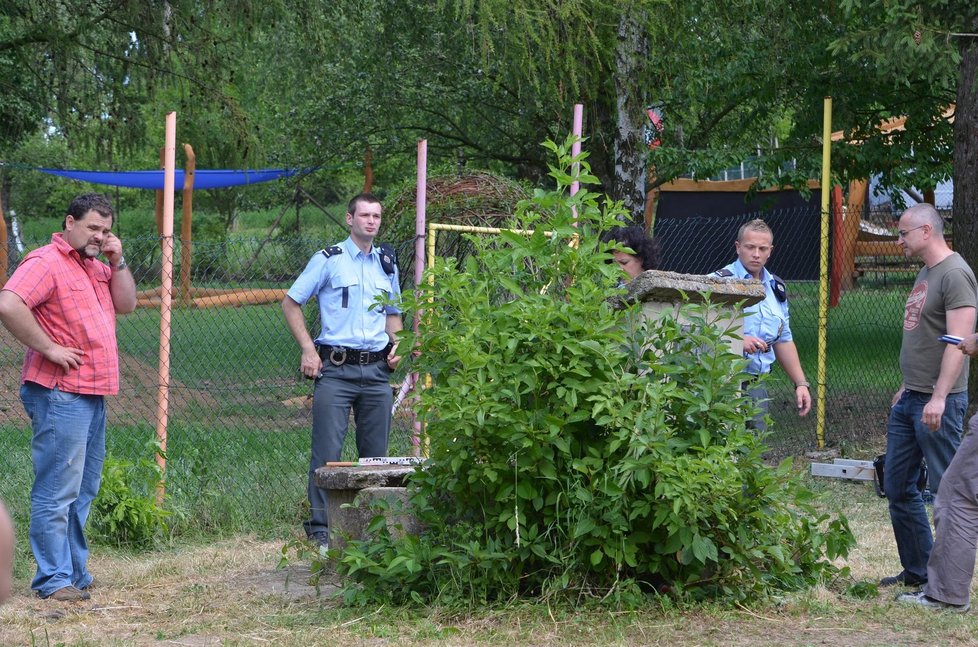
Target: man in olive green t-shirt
927 413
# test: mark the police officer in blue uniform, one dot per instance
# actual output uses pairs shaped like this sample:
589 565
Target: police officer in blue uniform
355 352
767 333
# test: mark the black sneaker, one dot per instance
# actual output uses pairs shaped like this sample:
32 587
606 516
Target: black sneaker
904 578
321 537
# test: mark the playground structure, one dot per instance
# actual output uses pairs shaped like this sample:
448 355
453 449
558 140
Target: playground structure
187 295
212 297
860 245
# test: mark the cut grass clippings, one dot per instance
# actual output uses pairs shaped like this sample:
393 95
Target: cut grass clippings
231 593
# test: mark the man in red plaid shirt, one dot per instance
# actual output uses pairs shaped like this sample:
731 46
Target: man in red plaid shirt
61 303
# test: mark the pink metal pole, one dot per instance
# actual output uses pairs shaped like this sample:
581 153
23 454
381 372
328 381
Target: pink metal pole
166 294
419 219
419 264
576 146
575 151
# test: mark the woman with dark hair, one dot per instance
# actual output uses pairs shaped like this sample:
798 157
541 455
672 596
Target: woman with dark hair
645 248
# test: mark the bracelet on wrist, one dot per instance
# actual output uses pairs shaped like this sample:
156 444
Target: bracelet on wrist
804 384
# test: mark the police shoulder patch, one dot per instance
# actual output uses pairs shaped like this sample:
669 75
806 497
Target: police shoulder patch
388 258
335 250
780 289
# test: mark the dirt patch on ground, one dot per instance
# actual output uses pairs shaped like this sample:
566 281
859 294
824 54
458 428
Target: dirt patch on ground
292 581
173 597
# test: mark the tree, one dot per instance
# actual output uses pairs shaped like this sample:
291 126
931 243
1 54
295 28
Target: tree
486 82
917 60
99 75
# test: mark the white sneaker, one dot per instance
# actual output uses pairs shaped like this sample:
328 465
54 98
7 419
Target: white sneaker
921 600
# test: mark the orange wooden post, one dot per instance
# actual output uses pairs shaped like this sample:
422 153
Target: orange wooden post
849 234
835 277
159 198
651 200
166 294
186 229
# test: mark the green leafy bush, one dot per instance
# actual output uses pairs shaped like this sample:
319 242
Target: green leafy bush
125 512
579 449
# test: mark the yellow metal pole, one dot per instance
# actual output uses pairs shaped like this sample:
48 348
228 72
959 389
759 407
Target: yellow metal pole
432 235
823 273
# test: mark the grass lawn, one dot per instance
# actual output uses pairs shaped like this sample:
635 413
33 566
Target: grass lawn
229 592
861 368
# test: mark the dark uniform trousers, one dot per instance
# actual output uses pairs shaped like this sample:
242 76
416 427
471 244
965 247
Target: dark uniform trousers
364 388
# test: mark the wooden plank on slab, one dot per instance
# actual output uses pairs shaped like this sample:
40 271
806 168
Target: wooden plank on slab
832 470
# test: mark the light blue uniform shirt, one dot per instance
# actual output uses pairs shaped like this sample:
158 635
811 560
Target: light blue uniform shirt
347 286
767 320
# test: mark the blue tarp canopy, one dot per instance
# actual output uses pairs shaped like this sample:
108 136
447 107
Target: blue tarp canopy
203 179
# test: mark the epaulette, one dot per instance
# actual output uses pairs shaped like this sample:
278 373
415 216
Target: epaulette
780 289
388 258
725 273
331 251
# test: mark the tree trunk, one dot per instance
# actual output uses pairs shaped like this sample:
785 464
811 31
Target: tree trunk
631 53
965 214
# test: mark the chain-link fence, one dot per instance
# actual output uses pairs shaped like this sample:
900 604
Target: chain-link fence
870 280
239 411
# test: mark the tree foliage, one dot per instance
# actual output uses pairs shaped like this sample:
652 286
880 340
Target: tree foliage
315 85
96 78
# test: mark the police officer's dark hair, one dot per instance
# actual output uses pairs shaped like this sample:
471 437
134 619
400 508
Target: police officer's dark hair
367 197
86 202
646 248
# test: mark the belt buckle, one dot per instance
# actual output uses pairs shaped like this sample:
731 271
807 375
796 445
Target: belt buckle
363 358
337 356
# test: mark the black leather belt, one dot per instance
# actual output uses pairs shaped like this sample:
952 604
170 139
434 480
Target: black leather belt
338 355
749 382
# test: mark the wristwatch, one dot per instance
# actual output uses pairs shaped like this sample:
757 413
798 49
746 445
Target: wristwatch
121 265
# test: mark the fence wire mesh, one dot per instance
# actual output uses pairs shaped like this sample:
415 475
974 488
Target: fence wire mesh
870 280
239 414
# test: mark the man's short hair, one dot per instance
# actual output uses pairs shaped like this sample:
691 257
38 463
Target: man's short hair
754 225
925 214
86 202
369 198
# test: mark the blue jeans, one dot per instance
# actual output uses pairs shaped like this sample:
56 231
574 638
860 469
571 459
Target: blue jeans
67 449
908 440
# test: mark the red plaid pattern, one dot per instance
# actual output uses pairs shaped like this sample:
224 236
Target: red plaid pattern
72 303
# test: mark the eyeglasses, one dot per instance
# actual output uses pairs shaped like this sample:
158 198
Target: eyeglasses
903 232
